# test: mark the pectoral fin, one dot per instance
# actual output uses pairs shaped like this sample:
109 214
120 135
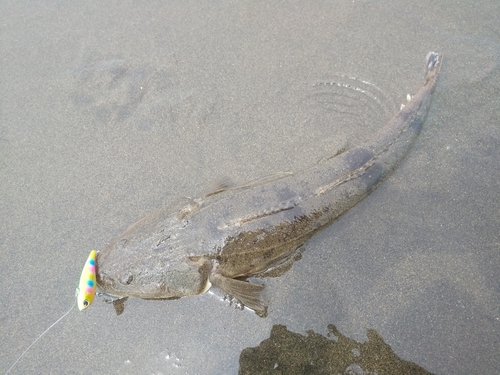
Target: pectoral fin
119 305
246 292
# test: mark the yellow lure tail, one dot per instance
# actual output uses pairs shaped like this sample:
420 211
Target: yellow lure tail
87 286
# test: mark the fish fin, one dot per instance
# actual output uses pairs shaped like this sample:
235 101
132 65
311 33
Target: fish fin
264 180
218 186
119 305
189 205
341 146
117 302
246 292
225 183
281 265
432 65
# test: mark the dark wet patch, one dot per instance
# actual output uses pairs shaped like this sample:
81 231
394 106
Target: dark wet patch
287 352
373 176
357 157
416 122
286 194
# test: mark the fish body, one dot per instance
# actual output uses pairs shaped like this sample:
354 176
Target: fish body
231 233
87 287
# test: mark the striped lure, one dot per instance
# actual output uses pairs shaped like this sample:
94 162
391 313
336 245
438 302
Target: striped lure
86 289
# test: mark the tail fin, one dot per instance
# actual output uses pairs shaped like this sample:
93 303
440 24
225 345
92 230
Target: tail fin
432 65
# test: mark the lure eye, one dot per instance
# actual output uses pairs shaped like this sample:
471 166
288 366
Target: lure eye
85 303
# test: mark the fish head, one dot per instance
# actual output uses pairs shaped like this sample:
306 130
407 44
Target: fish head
152 260
155 280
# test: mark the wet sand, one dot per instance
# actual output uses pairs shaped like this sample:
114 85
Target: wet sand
109 111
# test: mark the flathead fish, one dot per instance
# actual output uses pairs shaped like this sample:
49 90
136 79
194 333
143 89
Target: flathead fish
231 233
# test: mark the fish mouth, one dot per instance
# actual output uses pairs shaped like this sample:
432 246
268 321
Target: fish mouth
107 285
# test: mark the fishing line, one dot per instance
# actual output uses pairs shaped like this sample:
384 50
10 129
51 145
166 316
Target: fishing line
38 338
84 296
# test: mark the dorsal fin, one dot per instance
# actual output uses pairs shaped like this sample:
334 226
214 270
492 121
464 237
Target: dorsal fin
189 205
218 186
264 180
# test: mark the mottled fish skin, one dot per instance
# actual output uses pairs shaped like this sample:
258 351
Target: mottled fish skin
249 230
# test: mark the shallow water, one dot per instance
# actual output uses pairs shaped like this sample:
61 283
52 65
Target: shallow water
109 111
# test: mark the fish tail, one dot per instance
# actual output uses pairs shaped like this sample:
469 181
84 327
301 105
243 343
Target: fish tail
432 65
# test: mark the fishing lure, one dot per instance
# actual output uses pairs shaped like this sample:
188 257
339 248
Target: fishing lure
86 290
84 296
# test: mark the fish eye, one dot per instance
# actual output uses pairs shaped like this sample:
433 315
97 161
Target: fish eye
85 303
127 280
